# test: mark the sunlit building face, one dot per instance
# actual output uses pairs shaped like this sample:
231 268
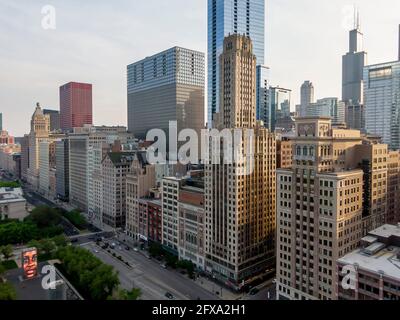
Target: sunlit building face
29 260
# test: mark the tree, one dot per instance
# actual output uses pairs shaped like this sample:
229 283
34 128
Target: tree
60 241
44 217
47 246
7 251
76 218
7 292
155 250
91 277
133 294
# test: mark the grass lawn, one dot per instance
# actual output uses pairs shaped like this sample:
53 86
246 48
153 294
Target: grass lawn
9 264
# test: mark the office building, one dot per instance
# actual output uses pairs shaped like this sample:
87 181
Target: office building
62 169
374 267
140 179
76 109
352 68
191 222
355 117
328 107
279 107
306 97
168 86
226 17
115 167
382 102
393 188
40 130
25 157
263 84
240 205
54 119
319 209
80 142
47 163
284 153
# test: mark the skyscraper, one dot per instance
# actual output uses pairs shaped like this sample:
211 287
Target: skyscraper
263 83
1 121
227 17
319 209
306 97
327 107
239 205
76 107
279 106
352 68
54 119
382 102
168 86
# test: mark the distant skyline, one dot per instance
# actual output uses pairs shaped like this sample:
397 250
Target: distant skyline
95 41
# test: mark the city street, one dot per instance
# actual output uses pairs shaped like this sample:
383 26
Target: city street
150 277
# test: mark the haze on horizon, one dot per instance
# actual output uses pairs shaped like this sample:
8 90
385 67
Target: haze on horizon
94 41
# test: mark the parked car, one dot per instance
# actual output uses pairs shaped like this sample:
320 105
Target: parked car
127 248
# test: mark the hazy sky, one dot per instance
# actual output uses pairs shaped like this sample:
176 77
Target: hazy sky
94 40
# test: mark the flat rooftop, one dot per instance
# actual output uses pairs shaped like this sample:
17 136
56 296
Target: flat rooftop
385 261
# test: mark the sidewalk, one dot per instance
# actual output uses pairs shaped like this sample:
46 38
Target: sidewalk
214 287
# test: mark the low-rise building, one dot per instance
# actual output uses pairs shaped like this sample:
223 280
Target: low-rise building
12 204
373 271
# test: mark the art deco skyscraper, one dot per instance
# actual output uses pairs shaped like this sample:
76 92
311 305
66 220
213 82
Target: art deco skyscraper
226 17
240 206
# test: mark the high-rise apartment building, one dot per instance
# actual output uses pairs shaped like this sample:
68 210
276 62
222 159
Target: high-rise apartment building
168 86
319 209
226 17
240 205
382 102
76 109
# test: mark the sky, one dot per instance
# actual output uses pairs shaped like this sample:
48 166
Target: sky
94 40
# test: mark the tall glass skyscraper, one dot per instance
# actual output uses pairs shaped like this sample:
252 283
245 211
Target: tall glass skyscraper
382 102
228 17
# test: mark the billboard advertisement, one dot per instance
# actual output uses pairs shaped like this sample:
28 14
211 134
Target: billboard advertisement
29 263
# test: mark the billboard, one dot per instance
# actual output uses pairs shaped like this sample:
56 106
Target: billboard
29 263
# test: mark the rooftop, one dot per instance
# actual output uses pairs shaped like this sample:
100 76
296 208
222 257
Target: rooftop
8 195
381 253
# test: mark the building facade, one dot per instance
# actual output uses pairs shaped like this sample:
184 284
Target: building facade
62 169
168 86
240 204
319 209
76 108
328 107
54 119
373 268
115 167
226 17
382 102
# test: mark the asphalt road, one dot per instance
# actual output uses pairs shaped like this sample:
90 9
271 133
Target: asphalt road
148 275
